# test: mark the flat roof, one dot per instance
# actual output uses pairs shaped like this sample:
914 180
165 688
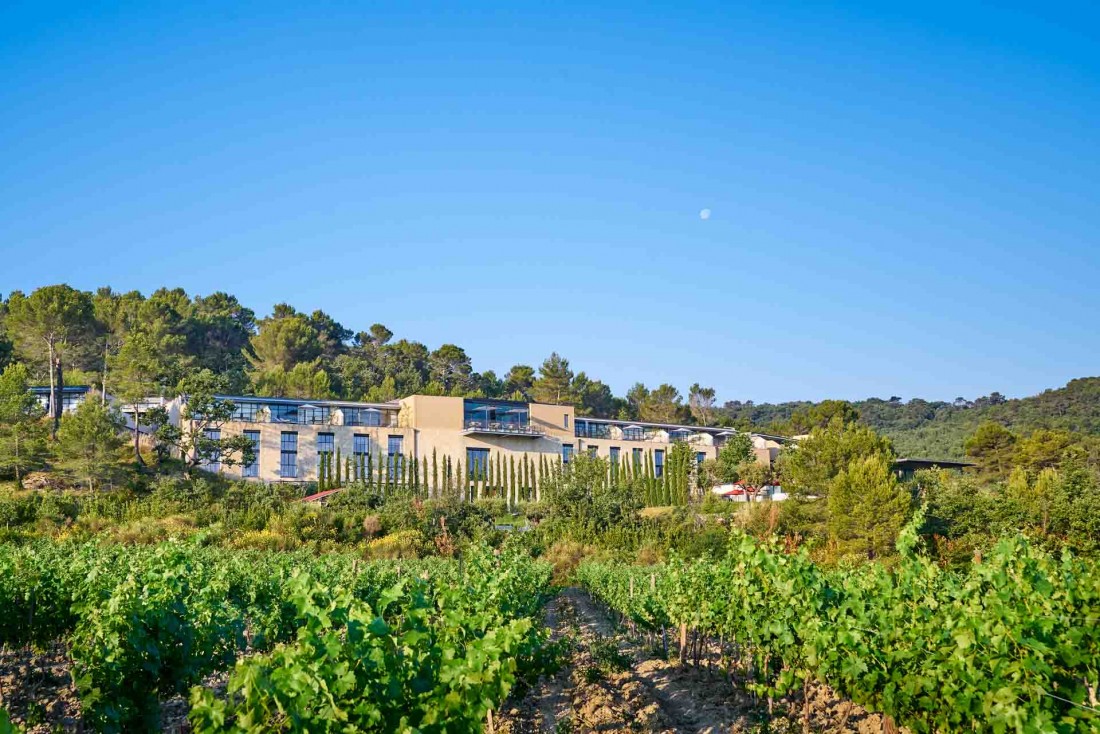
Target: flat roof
316 403
675 427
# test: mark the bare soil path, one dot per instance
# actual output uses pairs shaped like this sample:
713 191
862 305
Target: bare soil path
611 683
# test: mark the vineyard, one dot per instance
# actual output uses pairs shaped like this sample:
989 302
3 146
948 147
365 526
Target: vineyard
305 642
1012 644
314 643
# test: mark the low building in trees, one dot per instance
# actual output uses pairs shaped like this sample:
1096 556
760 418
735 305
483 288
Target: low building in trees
297 440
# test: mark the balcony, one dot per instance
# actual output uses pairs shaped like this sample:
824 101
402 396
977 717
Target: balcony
501 428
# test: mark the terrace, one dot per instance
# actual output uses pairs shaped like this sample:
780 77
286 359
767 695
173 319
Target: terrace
498 418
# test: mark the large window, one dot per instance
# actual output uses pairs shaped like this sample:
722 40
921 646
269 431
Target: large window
495 415
213 461
325 445
362 417
613 452
634 433
566 453
246 412
314 415
284 413
658 463
585 429
253 469
477 463
360 447
395 446
69 401
288 454
700 457
636 455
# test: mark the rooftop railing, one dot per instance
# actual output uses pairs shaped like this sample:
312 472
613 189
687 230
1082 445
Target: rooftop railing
502 427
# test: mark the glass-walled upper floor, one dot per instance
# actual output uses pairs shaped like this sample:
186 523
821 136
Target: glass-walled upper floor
496 415
309 414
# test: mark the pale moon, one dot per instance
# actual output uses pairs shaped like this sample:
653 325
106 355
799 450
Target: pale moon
704 214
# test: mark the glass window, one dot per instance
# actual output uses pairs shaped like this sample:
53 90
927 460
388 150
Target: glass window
566 453
362 417
477 462
360 446
587 429
658 463
314 415
593 452
637 456
496 415
700 457
284 413
69 401
325 444
253 469
634 433
213 462
613 452
565 420
395 453
288 454
246 412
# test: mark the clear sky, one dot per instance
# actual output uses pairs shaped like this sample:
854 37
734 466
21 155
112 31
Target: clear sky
903 196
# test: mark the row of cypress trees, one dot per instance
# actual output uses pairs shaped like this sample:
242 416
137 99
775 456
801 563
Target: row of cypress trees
504 477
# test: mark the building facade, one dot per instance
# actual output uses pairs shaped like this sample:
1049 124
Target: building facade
291 436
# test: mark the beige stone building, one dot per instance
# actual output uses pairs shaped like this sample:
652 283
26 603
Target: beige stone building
291 435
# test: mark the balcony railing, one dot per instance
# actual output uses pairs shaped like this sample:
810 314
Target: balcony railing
502 428
592 432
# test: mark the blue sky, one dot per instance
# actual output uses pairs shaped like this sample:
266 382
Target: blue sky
903 199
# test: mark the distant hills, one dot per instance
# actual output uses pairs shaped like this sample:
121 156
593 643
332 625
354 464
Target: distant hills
937 429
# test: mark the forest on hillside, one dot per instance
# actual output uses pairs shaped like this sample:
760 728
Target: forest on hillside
939 429
131 345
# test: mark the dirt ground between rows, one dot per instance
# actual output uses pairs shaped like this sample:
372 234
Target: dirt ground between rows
647 692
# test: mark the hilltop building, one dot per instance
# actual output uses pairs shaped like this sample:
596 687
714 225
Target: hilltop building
290 436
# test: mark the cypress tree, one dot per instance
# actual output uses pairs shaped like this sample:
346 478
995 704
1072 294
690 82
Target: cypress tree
487 471
435 475
512 496
525 486
321 473
500 475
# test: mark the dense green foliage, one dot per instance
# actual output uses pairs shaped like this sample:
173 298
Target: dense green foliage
411 643
1011 643
938 429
